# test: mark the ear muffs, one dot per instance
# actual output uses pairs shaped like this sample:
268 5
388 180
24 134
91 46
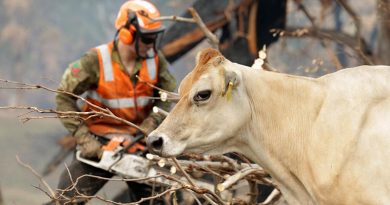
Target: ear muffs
127 35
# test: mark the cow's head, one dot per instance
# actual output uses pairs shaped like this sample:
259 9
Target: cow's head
211 112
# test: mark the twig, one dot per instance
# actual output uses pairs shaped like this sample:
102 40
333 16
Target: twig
65 114
173 18
131 203
332 35
199 190
42 190
196 198
70 114
191 182
274 196
360 44
331 54
354 16
235 178
173 95
213 39
306 12
52 193
212 165
32 86
182 170
160 111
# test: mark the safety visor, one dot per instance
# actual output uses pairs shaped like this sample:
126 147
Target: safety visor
148 38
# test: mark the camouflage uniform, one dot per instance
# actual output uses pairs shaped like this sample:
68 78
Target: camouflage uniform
81 76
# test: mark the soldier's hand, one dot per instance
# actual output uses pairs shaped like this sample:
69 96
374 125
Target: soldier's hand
90 147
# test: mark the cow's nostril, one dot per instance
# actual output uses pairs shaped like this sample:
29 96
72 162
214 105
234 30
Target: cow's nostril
157 143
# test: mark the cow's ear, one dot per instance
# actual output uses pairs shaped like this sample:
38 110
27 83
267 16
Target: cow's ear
231 82
206 55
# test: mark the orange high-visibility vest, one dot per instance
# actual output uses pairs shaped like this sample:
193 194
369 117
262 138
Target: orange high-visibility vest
120 95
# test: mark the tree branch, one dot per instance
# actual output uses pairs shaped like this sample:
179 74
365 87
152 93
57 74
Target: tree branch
332 35
52 193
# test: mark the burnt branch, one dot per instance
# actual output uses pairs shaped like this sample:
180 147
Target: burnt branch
359 48
213 40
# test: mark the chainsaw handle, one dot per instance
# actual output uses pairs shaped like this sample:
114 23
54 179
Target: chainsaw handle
138 137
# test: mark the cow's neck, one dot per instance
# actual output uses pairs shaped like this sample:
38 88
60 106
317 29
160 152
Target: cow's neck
283 107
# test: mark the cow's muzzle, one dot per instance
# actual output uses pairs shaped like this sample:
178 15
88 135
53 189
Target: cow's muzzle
155 144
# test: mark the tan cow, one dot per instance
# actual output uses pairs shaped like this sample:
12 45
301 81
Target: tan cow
323 140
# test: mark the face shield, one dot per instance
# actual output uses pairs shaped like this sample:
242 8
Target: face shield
146 45
147 42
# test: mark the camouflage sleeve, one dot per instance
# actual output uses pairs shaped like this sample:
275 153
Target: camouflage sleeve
167 82
80 76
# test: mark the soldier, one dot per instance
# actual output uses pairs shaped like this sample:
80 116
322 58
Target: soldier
107 74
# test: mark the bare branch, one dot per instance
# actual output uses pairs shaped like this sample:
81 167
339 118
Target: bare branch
306 12
70 114
331 35
354 16
98 112
171 95
274 196
174 18
236 177
32 86
190 180
213 39
160 111
52 193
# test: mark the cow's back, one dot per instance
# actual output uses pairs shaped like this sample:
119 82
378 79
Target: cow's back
361 81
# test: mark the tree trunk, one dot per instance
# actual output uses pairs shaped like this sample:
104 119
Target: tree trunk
384 32
1 198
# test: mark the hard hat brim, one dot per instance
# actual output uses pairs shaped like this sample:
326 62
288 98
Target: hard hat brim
152 31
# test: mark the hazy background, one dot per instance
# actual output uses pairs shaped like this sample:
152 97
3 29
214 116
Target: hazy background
38 38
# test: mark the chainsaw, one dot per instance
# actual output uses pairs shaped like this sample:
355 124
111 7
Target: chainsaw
117 160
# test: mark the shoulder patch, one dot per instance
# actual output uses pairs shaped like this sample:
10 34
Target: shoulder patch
75 68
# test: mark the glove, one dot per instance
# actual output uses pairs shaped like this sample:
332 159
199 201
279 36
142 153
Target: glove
148 125
90 147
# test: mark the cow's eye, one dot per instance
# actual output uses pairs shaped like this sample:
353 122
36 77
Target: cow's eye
202 95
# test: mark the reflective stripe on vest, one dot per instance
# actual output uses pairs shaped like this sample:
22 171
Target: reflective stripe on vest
151 65
120 102
107 64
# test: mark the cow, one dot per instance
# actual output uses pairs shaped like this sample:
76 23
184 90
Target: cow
323 140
